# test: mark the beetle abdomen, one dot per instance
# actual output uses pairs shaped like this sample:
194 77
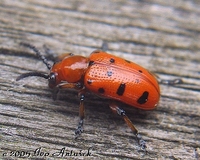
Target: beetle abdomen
130 84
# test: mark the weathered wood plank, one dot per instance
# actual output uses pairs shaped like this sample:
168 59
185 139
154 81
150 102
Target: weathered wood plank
162 36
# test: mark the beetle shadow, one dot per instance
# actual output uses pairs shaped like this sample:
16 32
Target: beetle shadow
98 108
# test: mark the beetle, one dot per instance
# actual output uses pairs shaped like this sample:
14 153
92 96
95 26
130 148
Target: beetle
106 75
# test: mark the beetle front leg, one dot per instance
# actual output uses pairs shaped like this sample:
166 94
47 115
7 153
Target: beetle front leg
79 129
79 86
121 112
65 85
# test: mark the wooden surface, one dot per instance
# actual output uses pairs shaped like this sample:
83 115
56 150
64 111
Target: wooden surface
163 36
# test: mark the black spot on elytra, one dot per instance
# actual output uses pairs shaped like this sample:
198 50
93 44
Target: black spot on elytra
109 73
91 63
127 61
101 90
112 60
121 89
143 98
140 71
89 81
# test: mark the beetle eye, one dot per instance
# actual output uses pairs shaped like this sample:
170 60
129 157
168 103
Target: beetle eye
52 79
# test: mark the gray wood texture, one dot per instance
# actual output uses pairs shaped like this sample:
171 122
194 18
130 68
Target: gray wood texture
163 36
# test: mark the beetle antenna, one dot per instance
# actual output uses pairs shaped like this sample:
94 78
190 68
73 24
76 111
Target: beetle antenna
29 74
38 53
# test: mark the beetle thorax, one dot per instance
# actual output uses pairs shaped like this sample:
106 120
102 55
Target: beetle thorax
70 69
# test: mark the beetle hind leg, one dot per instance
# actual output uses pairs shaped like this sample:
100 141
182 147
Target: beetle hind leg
170 82
121 112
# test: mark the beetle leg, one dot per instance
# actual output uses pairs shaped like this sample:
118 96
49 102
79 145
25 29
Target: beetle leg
170 82
64 85
104 46
51 55
79 129
79 86
64 55
55 93
121 112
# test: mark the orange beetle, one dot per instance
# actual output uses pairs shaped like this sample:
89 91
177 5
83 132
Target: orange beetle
106 75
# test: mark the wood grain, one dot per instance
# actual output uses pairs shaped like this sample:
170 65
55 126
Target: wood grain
163 36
